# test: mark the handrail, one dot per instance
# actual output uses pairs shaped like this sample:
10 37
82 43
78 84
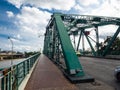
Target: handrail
13 76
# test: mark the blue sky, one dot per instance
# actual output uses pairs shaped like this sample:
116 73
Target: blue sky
25 20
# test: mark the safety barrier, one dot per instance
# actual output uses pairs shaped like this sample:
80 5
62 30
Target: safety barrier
12 77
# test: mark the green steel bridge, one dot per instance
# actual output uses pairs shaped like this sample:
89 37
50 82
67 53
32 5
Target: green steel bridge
57 40
59 49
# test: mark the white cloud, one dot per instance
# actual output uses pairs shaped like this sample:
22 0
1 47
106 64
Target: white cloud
31 22
78 7
48 4
32 19
99 7
56 4
88 2
18 36
86 6
17 3
107 9
115 4
10 14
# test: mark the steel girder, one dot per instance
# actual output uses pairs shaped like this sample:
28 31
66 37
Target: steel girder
78 23
56 40
71 59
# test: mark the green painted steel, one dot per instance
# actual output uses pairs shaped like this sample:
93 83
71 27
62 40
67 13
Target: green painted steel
62 26
57 41
97 40
13 76
111 42
58 47
79 40
73 65
84 22
93 51
83 44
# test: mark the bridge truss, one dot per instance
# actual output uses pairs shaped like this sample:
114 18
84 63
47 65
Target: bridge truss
57 42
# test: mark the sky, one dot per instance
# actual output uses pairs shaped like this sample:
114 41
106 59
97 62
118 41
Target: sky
25 20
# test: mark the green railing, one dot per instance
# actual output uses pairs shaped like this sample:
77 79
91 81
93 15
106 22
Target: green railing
13 77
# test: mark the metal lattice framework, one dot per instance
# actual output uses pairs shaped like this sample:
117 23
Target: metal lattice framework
57 39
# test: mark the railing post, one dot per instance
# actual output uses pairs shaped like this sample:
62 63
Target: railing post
2 83
28 65
10 81
11 78
17 77
24 68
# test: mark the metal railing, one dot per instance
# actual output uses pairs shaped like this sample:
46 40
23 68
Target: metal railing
12 77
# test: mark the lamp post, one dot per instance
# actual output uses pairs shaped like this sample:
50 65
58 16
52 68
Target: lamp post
12 74
11 49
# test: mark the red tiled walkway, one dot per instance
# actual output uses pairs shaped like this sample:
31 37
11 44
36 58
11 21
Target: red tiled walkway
46 76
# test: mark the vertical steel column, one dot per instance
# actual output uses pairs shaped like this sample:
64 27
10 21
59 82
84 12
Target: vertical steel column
74 42
45 43
47 47
97 40
53 40
83 44
50 44
79 41
57 49
93 51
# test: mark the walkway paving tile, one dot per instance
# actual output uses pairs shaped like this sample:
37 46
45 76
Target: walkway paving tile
46 76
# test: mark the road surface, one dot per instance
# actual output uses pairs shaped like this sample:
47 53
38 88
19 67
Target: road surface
101 69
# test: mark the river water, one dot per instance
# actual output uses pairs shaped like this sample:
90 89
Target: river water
7 63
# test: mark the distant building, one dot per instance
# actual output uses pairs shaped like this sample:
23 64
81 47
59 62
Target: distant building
10 55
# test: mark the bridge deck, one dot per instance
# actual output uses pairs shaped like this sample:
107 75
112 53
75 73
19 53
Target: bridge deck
46 76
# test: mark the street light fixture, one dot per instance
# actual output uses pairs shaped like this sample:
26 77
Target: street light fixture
11 49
